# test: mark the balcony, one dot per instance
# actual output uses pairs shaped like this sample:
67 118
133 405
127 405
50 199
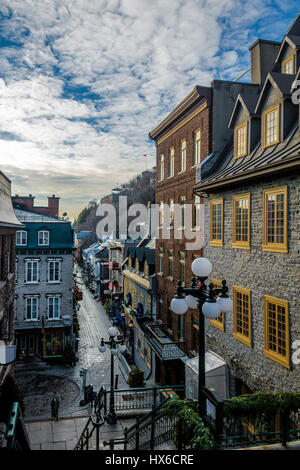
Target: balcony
114 265
162 344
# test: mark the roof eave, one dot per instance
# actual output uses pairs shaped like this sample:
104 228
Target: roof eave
251 174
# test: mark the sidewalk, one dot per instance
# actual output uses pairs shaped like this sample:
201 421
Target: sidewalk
64 433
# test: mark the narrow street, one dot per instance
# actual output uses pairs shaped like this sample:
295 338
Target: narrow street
94 324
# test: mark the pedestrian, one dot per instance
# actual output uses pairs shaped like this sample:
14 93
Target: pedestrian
54 407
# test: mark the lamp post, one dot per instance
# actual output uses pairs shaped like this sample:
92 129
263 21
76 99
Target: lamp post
210 304
113 344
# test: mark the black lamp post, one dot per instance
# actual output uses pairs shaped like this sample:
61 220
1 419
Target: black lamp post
197 296
113 344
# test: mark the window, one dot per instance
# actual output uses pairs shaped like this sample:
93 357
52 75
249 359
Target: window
277 345
129 262
171 162
170 319
242 315
161 260
182 162
275 220
32 271
182 202
137 265
197 147
54 270
43 238
241 140
161 167
195 335
21 238
170 263
171 206
142 344
271 126
136 337
134 297
32 308
218 322
161 214
146 268
148 354
216 222
53 307
196 212
287 65
182 266
241 221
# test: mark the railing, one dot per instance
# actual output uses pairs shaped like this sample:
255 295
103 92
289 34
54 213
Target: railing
16 435
95 421
239 432
162 344
141 399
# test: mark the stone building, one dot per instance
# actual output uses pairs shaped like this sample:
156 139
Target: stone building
183 139
252 195
27 203
44 282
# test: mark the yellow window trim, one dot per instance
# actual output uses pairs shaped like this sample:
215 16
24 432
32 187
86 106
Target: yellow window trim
284 62
245 245
264 122
236 129
274 356
275 247
215 322
247 340
212 241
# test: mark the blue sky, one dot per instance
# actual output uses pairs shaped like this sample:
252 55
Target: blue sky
83 82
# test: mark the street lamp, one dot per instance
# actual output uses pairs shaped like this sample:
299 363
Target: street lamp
113 344
197 296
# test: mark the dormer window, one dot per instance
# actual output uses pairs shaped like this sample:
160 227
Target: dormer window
288 66
21 238
129 262
43 238
271 126
137 266
241 140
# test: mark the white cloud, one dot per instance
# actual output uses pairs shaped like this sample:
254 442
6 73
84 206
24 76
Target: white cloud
141 58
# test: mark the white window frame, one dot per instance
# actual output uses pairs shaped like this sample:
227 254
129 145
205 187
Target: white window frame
44 237
171 162
54 281
161 167
21 233
53 298
197 147
31 299
182 156
37 271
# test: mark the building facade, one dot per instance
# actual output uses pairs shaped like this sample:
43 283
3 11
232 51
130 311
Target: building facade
8 226
44 282
252 225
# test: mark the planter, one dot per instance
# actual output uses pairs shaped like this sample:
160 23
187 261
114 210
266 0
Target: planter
136 378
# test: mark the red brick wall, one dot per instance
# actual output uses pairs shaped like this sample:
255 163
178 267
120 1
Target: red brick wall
174 187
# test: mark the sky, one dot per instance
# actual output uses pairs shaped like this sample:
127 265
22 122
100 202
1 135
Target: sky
83 82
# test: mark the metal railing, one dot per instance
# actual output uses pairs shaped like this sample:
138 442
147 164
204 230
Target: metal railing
95 421
16 435
141 399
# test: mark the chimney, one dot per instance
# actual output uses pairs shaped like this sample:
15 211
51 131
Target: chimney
263 55
53 205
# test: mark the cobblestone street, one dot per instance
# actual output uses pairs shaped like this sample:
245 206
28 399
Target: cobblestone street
94 324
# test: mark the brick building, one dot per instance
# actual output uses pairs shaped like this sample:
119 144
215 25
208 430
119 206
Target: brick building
27 203
252 225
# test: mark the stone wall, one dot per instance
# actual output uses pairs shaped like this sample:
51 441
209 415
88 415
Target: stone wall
264 273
